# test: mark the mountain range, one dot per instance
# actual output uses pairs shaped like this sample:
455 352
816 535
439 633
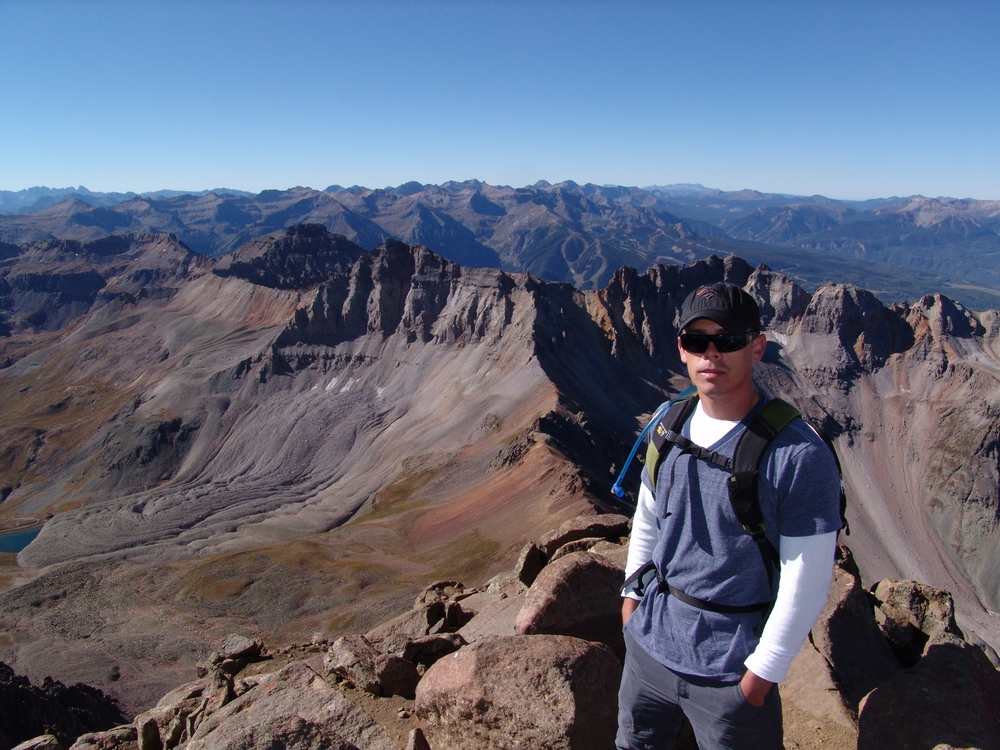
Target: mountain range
900 248
293 438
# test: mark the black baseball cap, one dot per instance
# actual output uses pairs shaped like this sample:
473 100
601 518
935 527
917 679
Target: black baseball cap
726 304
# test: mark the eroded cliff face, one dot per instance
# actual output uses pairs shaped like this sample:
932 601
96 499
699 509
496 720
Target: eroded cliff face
292 437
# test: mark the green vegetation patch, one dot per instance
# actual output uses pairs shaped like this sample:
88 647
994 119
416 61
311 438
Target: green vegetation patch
467 558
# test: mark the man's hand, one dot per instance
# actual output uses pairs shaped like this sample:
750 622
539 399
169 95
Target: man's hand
755 689
628 607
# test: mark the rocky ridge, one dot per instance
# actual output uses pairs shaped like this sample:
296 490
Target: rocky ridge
578 234
530 659
224 451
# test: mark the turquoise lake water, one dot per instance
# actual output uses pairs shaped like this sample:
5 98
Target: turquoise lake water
15 541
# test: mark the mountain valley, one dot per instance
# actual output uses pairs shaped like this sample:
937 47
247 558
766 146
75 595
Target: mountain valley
295 438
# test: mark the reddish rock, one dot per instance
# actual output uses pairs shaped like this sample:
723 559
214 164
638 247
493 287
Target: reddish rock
950 697
297 709
542 692
43 742
578 595
848 638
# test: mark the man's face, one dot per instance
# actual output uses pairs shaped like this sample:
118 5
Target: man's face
718 375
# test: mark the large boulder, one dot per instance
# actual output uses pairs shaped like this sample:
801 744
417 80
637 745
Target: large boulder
544 692
578 595
173 720
848 638
951 697
846 655
296 709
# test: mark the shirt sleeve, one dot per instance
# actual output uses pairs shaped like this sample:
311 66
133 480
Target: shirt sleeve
644 536
806 574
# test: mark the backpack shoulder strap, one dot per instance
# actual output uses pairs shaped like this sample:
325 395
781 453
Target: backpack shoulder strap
772 418
743 482
667 430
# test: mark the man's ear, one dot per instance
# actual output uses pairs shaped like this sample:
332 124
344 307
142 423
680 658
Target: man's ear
759 344
680 348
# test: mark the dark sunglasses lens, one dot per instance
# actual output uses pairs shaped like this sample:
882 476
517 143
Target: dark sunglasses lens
694 343
697 343
730 342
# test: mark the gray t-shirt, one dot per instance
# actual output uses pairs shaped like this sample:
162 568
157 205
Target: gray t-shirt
704 552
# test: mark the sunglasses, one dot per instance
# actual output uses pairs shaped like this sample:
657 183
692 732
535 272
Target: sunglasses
697 343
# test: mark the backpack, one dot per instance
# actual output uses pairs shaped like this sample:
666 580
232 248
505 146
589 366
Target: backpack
744 468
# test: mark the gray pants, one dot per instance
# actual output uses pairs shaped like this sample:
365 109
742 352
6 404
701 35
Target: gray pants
653 701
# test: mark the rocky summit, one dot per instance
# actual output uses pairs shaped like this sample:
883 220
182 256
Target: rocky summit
290 442
518 662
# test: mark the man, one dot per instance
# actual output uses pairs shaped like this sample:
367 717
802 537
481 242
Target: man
684 656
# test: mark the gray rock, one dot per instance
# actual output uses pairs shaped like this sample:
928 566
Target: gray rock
544 692
119 738
44 742
395 675
163 727
353 658
440 591
240 647
297 710
578 595
970 635
496 619
427 650
909 613
475 603
418 622
609 526
950 697
506 583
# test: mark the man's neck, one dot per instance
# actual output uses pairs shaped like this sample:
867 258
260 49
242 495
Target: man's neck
732 407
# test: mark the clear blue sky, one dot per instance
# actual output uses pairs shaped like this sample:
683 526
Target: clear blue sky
844 99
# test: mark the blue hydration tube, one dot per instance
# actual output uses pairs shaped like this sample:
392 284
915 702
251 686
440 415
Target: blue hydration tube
616 488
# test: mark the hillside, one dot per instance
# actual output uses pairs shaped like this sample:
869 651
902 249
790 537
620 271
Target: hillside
296 438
